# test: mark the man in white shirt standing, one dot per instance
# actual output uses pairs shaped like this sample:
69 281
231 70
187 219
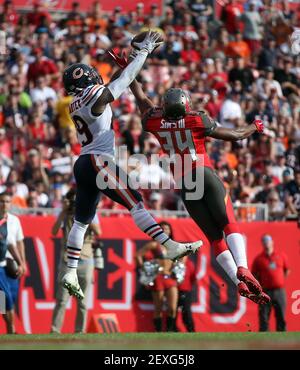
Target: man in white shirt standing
15 233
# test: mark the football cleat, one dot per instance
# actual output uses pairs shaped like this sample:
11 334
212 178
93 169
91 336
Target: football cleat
243 274
261 298
70 282
182 250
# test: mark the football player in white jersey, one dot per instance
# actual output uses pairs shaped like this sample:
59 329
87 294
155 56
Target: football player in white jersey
92 116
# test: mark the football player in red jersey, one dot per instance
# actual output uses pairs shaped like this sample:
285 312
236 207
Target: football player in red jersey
183 132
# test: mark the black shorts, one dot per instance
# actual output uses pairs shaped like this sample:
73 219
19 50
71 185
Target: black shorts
91 174
214 211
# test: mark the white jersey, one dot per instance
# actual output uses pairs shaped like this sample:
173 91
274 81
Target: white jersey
14 231
95 133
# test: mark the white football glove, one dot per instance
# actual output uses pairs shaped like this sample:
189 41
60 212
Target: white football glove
149 43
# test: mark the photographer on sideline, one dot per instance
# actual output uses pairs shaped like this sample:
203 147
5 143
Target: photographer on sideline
85 267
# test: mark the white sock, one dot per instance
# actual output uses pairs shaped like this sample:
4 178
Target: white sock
226 260
237 247
148 225
75 243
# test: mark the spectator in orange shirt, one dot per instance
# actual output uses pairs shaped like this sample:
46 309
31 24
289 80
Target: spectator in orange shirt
103 68
238 48
96 17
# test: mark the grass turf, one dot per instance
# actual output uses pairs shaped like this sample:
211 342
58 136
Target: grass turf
151 341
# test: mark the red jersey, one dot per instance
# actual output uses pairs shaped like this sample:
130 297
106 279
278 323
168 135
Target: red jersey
270 270
189 277
185 136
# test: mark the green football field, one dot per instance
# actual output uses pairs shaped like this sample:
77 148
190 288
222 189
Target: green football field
150 341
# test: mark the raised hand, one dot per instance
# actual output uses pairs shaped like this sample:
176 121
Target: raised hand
150 42
259 125
121 61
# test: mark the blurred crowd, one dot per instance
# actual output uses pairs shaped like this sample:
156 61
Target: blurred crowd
238 65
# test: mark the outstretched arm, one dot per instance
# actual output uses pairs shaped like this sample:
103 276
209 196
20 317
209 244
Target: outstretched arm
115 88
143 102
241 133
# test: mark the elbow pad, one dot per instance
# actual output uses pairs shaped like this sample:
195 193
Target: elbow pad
118 86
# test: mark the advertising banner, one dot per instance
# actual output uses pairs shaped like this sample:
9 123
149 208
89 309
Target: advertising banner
116 290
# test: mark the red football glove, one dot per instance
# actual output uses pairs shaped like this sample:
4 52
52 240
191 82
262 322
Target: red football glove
259 125
120 61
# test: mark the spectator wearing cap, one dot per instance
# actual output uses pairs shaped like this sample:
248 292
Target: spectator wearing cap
271 268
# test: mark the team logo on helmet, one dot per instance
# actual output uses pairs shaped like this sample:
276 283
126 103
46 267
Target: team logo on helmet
77 73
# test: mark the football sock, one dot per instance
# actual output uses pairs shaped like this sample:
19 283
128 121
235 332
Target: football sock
148 225
237 246
157 324
75 243
226 260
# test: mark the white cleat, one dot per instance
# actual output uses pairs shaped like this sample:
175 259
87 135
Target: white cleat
182 250
70 282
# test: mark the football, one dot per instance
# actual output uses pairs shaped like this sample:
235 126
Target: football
140 37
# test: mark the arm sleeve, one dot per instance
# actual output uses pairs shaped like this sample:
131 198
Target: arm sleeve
209 124
118 86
